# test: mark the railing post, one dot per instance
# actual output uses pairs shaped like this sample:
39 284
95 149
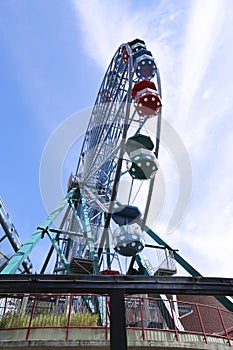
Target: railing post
32 314
224 328
201 322
174 320
69 313
142 318
106 317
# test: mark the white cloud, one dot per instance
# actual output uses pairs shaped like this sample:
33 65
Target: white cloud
203 30
192 46
106 27
103 33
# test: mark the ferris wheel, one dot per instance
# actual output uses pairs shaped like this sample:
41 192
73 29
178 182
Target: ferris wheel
117 150
99 227
104 214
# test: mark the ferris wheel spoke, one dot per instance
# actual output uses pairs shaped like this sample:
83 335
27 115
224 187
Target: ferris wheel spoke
94 171
116 183
104 147
95 153
148 201
96 200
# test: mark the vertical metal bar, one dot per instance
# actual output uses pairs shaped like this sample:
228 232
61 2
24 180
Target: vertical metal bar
149 195
69 313
224 327
47 258
106 318
108 252
87 226
30 321
23 305
174 320
5 306
202 324
142 318
118 338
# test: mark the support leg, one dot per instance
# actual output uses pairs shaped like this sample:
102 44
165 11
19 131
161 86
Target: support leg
118 338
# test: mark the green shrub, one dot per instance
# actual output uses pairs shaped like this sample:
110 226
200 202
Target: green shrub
16 320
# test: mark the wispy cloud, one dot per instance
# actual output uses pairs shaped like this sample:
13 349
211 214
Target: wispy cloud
105 27
204 26
191 41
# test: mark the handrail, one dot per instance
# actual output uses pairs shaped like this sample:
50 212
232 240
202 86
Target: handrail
145 314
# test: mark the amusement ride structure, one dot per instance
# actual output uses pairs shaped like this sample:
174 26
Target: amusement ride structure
98 233
96 228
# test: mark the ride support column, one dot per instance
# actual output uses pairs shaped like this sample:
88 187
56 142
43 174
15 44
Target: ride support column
118 337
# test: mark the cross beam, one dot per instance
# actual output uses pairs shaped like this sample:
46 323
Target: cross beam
105 284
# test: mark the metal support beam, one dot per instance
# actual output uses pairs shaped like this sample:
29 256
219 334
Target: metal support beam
26 249
188 267
88 232
12 235
118 338
60 253
106 284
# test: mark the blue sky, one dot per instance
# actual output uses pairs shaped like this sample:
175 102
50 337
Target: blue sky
53 58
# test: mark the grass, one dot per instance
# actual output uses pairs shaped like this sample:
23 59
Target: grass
15 320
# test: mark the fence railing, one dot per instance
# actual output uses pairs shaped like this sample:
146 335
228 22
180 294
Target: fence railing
143 314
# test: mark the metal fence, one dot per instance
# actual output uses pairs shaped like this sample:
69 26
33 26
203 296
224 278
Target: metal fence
143 314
